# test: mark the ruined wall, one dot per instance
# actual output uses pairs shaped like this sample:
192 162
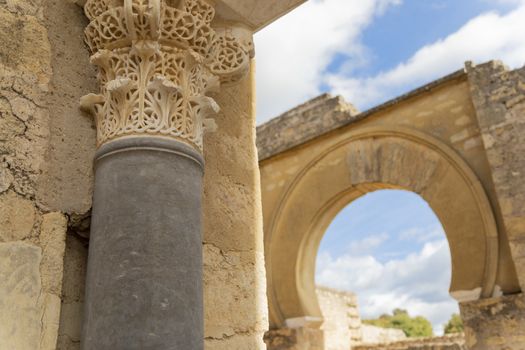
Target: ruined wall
341 327
342 324
495 324
442 110
499 97
447 342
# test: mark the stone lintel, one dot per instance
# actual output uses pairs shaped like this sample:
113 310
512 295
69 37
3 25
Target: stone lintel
256 14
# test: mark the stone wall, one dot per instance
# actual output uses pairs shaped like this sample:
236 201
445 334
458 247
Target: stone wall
495 324
32 229
447 342
437 132
234 279
372 334
303 123
342 324
340 329
499 97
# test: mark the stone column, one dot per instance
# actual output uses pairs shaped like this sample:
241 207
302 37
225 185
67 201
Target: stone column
158 60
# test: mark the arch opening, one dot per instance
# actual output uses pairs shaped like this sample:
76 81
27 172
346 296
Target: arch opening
368 160
386 250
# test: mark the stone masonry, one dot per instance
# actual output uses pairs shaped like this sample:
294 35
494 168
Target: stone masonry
499 97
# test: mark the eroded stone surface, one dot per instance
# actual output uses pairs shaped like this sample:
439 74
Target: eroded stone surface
53 241
447 342
302 124
20 292
495 324
499 97
6 178
294 339
235 317
342 324
17 217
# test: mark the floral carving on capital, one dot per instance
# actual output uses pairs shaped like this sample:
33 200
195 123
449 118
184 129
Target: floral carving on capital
158 60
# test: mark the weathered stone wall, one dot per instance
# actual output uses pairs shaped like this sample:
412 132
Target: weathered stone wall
374 335
447 342
499 97
495 324
234 279
302 124
32 233
342 324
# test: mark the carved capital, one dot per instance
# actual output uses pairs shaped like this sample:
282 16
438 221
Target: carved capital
158 60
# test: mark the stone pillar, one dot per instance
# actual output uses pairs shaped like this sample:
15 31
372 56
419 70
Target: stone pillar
497 94
495 324
236 317
157 60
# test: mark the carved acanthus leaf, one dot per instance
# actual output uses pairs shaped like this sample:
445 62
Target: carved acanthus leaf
158 59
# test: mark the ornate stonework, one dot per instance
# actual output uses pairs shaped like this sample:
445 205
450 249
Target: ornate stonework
158 60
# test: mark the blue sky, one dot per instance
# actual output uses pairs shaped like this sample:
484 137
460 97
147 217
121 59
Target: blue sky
370 51
388 246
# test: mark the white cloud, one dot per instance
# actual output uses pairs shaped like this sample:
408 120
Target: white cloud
294 52
368 244
422 235
488 36
418 283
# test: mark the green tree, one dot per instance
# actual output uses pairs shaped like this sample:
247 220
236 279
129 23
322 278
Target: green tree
400 319
454 325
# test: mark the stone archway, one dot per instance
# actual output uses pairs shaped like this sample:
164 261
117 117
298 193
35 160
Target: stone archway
366 160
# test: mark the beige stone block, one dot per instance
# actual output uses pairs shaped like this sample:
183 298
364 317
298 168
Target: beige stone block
231 292
494 324
25 46
10 126
17 217
20 289
50 321
22 108
6 179
26 7
53 242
